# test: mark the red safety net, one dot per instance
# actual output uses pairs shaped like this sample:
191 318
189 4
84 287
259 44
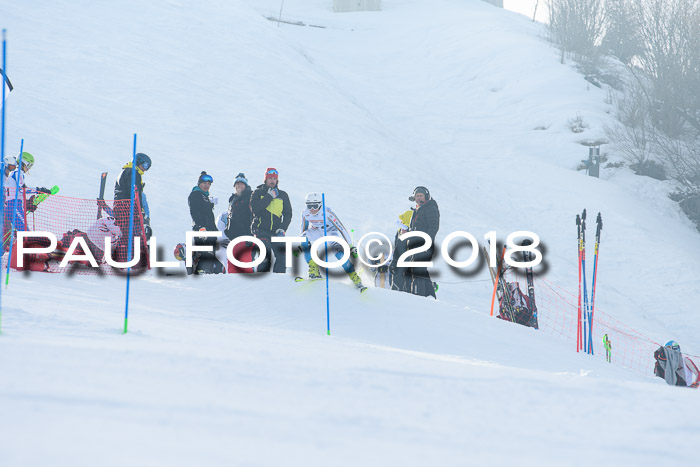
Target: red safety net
68 218
557 314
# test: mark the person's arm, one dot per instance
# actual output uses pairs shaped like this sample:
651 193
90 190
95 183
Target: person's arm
333 219
304 224
259 201
196 202
286 211
432 221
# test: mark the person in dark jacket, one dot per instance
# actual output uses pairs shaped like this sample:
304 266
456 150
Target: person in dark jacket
202 212
272 213
122 205
426 218
239 215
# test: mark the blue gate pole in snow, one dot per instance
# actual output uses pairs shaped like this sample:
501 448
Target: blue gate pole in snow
15 213
599 227
2 151
328 302
131 238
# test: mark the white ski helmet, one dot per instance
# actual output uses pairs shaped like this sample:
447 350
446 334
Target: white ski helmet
314 201
10 160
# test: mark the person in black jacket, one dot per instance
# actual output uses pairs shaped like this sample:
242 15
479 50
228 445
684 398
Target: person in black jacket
239 215
272 213
202 212
426 218
122 205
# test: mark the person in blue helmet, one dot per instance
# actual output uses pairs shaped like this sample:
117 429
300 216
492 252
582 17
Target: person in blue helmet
674 368
122 197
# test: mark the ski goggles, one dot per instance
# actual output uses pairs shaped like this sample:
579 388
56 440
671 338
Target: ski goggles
27 165
313 206
146 165
206 179
271 173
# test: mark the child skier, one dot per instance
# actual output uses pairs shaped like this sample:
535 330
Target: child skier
312 226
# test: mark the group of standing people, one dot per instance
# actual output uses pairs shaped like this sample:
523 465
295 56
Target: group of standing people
264 213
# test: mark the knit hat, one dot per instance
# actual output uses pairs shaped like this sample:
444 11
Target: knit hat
240 178
204 177
271 172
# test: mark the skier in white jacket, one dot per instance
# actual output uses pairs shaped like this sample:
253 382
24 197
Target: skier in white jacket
312 227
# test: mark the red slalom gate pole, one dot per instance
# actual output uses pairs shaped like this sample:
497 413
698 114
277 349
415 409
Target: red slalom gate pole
579 328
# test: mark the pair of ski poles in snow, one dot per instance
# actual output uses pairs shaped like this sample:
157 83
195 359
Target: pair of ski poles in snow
584 335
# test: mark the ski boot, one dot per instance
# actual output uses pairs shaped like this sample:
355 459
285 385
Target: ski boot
357 281
314 272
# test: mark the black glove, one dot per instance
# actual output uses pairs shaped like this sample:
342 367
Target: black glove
43 190
147 228
30 206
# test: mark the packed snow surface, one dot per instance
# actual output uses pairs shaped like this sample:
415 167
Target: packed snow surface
464 98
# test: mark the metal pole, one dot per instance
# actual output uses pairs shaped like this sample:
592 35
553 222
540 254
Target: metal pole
131 238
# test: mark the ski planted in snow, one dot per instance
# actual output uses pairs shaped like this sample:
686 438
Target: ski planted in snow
504 298
530 287
101 205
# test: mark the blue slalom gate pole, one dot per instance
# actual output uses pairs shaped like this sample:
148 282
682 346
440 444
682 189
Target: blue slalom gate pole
2 153
131 238
325 234
15 212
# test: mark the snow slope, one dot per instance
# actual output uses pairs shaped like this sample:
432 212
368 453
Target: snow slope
459 96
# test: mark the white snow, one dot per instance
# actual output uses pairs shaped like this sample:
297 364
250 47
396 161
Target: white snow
234 370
